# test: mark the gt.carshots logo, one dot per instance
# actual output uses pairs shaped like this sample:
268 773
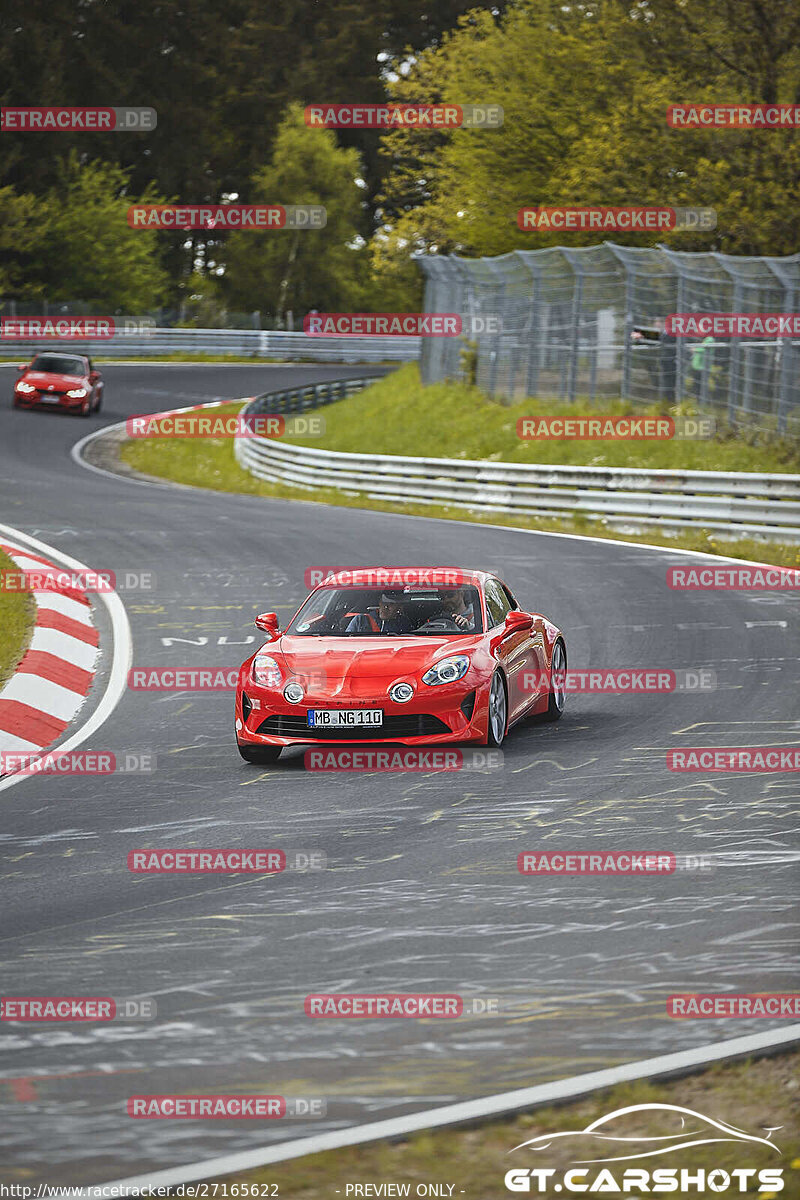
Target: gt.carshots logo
618 1138
104 120
404 116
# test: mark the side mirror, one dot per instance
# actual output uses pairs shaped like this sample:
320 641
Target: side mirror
94 376
268 622
517 621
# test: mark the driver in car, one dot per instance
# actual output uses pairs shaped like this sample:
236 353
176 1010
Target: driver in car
387 618
455 608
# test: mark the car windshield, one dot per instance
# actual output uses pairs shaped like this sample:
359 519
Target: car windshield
375 612
58 364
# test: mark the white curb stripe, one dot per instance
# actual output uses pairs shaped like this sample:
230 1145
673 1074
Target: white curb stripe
64 605
72 650
43 695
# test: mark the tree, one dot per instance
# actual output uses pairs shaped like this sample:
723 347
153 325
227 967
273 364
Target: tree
75 243
296 270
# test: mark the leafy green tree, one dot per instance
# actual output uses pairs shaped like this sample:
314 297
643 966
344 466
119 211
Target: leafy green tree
75 243
585 90
296 270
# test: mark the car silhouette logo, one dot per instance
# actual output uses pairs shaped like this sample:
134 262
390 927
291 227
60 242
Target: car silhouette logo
685 1130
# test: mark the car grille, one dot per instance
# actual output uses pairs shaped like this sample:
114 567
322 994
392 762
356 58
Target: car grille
413 725
468 705
247 705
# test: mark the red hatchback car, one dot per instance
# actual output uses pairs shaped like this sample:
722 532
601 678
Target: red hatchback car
449 657
63 381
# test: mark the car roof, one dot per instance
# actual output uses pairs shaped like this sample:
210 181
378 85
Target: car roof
398 577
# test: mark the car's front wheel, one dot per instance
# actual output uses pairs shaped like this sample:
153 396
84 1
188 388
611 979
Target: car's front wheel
262 755
558 682
86 408
498 711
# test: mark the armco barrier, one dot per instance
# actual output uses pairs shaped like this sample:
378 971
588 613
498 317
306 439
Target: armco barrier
725 502
243 343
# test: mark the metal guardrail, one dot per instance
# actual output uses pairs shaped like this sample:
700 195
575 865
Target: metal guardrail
245 343
725 502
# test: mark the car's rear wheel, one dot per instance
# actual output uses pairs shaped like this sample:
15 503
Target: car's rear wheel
558 682
497 720
259 754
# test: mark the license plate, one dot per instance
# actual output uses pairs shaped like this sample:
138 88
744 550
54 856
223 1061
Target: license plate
46 398
338 718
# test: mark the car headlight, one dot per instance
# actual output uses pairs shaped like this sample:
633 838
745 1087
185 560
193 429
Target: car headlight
401 692
447 671
266 671
294 692
76 393
25 387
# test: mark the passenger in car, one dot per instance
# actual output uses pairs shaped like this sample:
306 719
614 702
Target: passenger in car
389 617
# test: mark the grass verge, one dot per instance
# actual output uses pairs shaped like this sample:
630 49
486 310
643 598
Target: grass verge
753 1096
17 618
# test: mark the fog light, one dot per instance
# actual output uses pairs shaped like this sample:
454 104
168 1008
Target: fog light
401 692
293 693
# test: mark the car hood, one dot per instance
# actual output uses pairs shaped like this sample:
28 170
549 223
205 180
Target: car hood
44 379
341 661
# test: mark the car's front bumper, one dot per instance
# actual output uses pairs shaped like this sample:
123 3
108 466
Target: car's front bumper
39 400
443 715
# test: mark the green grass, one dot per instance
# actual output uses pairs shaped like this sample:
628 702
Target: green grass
398 415
749 1095
17 618
387 418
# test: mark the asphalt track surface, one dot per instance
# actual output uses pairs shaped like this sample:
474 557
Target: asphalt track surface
421 892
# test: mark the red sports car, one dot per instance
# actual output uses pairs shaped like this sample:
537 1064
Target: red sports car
65 381
447 657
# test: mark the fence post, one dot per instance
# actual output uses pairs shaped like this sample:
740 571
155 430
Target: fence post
576 332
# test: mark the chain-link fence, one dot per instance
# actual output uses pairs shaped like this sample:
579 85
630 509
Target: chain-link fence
589 324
